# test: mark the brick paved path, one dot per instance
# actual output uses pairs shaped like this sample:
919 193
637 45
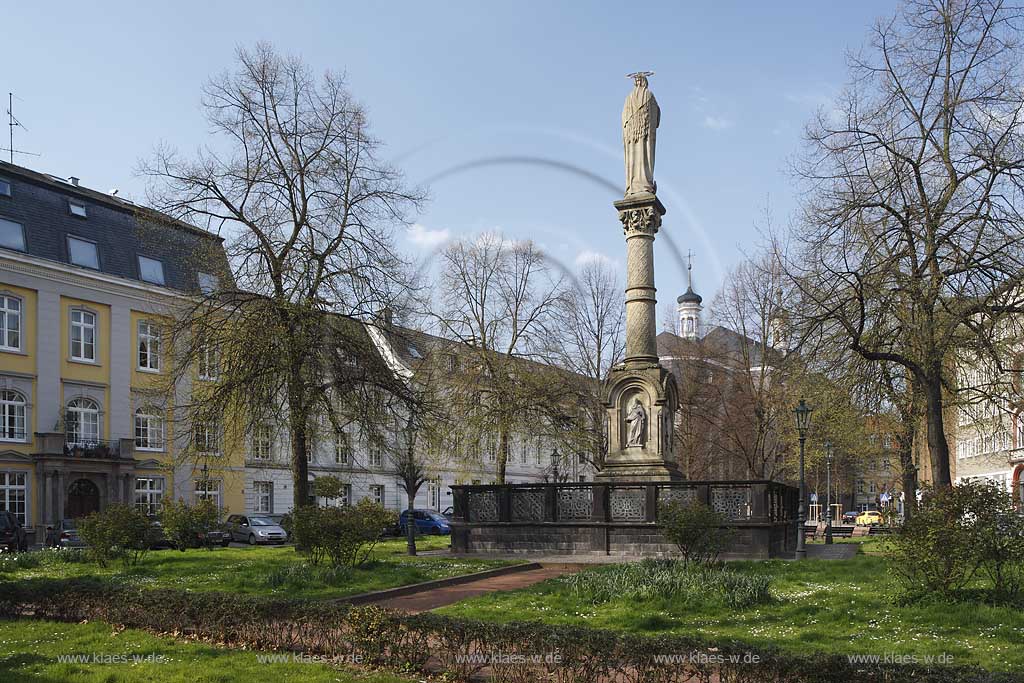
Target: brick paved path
439 597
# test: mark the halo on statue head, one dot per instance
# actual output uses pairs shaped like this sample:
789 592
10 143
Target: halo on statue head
645 74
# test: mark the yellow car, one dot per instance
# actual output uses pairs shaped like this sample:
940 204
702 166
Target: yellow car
870 518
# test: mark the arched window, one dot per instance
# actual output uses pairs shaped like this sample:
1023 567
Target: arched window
149 429
12 416
1019 420
83 422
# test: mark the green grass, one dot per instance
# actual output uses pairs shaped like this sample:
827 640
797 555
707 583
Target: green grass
30 651
248 570
834 606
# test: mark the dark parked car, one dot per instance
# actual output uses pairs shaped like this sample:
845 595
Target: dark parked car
214 535
850 517
12 534
426 521
65 535
255 529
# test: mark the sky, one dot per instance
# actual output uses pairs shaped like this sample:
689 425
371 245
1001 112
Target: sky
507 113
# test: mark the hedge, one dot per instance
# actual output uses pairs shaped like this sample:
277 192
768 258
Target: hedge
429 643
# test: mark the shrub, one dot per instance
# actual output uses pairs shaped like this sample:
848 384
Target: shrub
328 486
343 535
185 525
957 533
698 531
301 574
688 583
119 532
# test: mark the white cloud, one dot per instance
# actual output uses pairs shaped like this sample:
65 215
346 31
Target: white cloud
587 256
426 238
717 122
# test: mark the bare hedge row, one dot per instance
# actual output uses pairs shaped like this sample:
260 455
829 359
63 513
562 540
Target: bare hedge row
509 653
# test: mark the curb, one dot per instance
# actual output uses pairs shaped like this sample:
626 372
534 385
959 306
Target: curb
400 591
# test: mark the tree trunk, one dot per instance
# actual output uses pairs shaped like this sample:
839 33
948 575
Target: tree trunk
297 420
938 446
502 456
410 526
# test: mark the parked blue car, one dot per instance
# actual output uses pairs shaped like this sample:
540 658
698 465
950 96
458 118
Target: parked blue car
427 522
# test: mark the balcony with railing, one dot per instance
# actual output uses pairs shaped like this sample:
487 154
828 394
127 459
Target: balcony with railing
72 446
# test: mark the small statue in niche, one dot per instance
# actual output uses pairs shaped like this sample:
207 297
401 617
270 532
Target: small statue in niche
637 422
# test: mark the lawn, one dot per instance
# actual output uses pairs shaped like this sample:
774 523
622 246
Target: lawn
33 650
251 570
835 606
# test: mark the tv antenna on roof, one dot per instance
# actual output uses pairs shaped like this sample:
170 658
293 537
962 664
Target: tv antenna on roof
13 123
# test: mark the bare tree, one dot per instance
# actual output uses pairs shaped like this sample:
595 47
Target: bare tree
498 298
307 208
910 243
592 320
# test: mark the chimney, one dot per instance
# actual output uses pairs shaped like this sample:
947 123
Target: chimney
74 180
388 317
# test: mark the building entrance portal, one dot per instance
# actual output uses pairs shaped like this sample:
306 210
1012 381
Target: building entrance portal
83 499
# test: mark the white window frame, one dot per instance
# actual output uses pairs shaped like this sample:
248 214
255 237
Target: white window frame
5 187
208 368
86 326
342 447
206 437
149 429
11 483
81 212
207 488
208 283
11 307
346 495
148 335
149 494
86 412
13 416
377 493
163 273
376 454
263 497
262 443
23 245
82 240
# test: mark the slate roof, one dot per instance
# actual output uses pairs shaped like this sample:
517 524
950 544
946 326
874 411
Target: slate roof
718 341
121 230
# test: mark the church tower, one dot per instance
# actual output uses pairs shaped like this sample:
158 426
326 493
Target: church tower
689 308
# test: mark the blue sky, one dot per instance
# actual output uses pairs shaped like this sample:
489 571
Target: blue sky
492 105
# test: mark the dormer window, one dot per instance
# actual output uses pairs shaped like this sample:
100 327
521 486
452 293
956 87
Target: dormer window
5 188
151 270
12 235
208 284
83 253
77 209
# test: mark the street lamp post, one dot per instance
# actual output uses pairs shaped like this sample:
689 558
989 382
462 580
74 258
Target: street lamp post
828 492
554 465
803 422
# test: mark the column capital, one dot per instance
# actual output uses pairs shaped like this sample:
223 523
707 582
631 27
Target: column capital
640 214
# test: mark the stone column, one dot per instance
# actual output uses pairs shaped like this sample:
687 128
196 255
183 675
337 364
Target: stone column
641 217
62 492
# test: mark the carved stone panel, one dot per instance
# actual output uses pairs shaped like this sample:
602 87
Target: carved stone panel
527 505
575 503
483 506
676 494
734 503
627 504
